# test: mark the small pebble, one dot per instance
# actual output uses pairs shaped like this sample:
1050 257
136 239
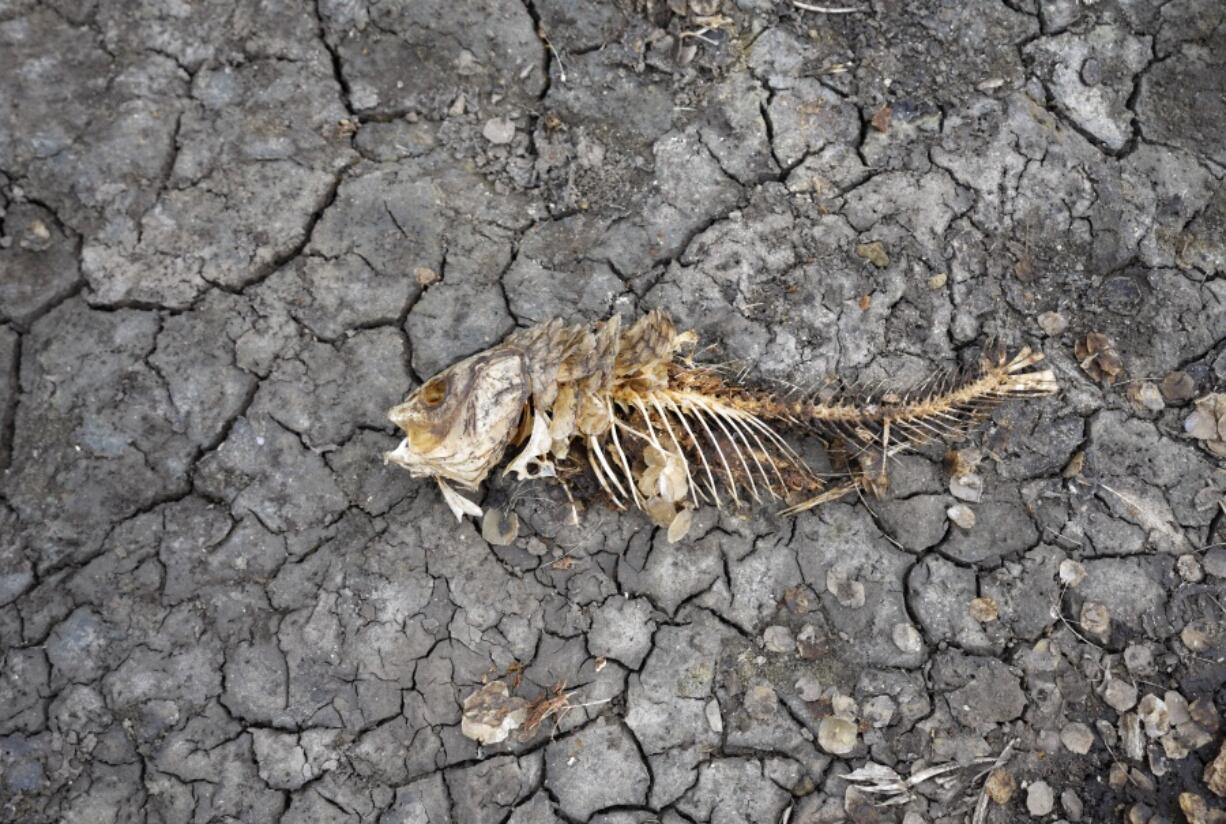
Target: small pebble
837 736
848 592
984 610
874 253
937 281
1072 573
1096 620
1117 776
1077 738
843 706
1153 714
966 487
808 688
499 131
1215 773
1039 799
1138 814
1215 562
962 515
1001 785
1072 805
1053 323
761 702
1197 635
1190 569
1204 714
1147 396
1173 746
1120 695
1177 708
907 638
779 639
1178 387
1139 659
879 711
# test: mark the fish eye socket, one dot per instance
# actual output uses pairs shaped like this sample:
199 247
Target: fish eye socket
434 391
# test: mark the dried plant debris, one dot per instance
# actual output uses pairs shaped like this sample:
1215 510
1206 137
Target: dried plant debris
1099 358
1207 423
665 434
492 714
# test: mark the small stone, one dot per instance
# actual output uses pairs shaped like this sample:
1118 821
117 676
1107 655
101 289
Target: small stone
1138 814
1120 695
1215 562
1131 738
1174 747
761 702
1177 708
714 719
1153 714
1139 659
1039 799
1190 569
808 688
1178 387
1117 776
907 638
879 711
1215 773
1053 323
984 610
499 131
848 592
1196 811
937 281
836 736
1096 620
490 714
1000 786
966 487
843 706
874 253
962 515
799 599
1106 731
1141 780
1198 635
811 644
1077 738
1159 764
1072 573
1072 805
1191 735
1204 714
1146 395
499 528
779 639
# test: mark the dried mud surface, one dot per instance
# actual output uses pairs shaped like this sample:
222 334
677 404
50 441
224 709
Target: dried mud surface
234 233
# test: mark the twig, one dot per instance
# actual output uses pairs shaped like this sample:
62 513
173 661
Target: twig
827 9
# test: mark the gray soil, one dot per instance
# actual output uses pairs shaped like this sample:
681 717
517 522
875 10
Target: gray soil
233 233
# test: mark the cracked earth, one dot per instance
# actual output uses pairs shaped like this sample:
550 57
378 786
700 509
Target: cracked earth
233 233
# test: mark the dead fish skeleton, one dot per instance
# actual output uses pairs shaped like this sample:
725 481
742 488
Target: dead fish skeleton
665 434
